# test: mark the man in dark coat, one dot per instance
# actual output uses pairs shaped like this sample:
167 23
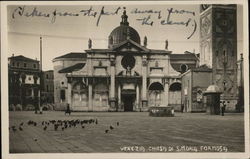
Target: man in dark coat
68 110
223 107
182 108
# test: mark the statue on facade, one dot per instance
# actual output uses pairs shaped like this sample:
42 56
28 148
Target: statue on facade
128 70
145 41
111 40
90 43
166 44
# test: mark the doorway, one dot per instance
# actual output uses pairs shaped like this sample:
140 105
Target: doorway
128 101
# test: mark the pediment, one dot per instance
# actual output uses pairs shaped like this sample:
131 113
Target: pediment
131 46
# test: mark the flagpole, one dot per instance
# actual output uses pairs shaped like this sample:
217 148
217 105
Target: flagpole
40 72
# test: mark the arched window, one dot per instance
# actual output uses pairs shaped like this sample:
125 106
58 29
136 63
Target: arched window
100 95
175 87
156 86
79 95
155 94
175 95
79 87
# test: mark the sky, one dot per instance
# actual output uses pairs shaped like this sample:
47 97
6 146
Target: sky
66 32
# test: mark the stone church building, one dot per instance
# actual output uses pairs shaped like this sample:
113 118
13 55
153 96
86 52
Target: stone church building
127 76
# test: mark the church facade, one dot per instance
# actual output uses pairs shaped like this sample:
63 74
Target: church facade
127 76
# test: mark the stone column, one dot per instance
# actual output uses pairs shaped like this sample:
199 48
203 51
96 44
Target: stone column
89 63
119 97
144 82
112 99
90 97
137 98
39 101
32 92
112 82
69 95
166 90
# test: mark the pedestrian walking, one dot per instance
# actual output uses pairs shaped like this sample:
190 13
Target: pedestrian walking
68 111
182 108
223 107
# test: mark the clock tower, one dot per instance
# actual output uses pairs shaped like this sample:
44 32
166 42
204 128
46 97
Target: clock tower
218 47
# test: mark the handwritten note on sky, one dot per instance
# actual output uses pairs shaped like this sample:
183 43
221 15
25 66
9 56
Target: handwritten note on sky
68 28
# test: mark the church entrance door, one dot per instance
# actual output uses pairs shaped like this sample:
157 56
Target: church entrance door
128 99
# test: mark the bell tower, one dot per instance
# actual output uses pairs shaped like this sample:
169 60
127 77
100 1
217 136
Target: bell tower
218 47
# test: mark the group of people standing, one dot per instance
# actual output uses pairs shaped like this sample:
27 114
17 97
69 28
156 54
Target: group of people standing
222 107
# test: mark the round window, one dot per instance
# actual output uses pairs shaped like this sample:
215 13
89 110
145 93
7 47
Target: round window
128 61
184 68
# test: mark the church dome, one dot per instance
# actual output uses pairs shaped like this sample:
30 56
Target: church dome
123 32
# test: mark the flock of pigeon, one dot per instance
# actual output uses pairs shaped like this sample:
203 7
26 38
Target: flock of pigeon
61 124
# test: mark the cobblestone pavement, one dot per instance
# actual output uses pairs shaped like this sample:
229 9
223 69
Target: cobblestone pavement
191 131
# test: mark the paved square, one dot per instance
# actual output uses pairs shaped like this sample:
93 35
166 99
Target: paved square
135 129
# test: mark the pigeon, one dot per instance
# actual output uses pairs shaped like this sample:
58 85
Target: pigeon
14 128
21 124
96 122
20 128
62 128
111 127
117 123
45 128
35 139
106 131
30 122
55 127
35 123
83 126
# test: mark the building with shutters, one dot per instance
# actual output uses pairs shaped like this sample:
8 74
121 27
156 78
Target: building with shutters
24 81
